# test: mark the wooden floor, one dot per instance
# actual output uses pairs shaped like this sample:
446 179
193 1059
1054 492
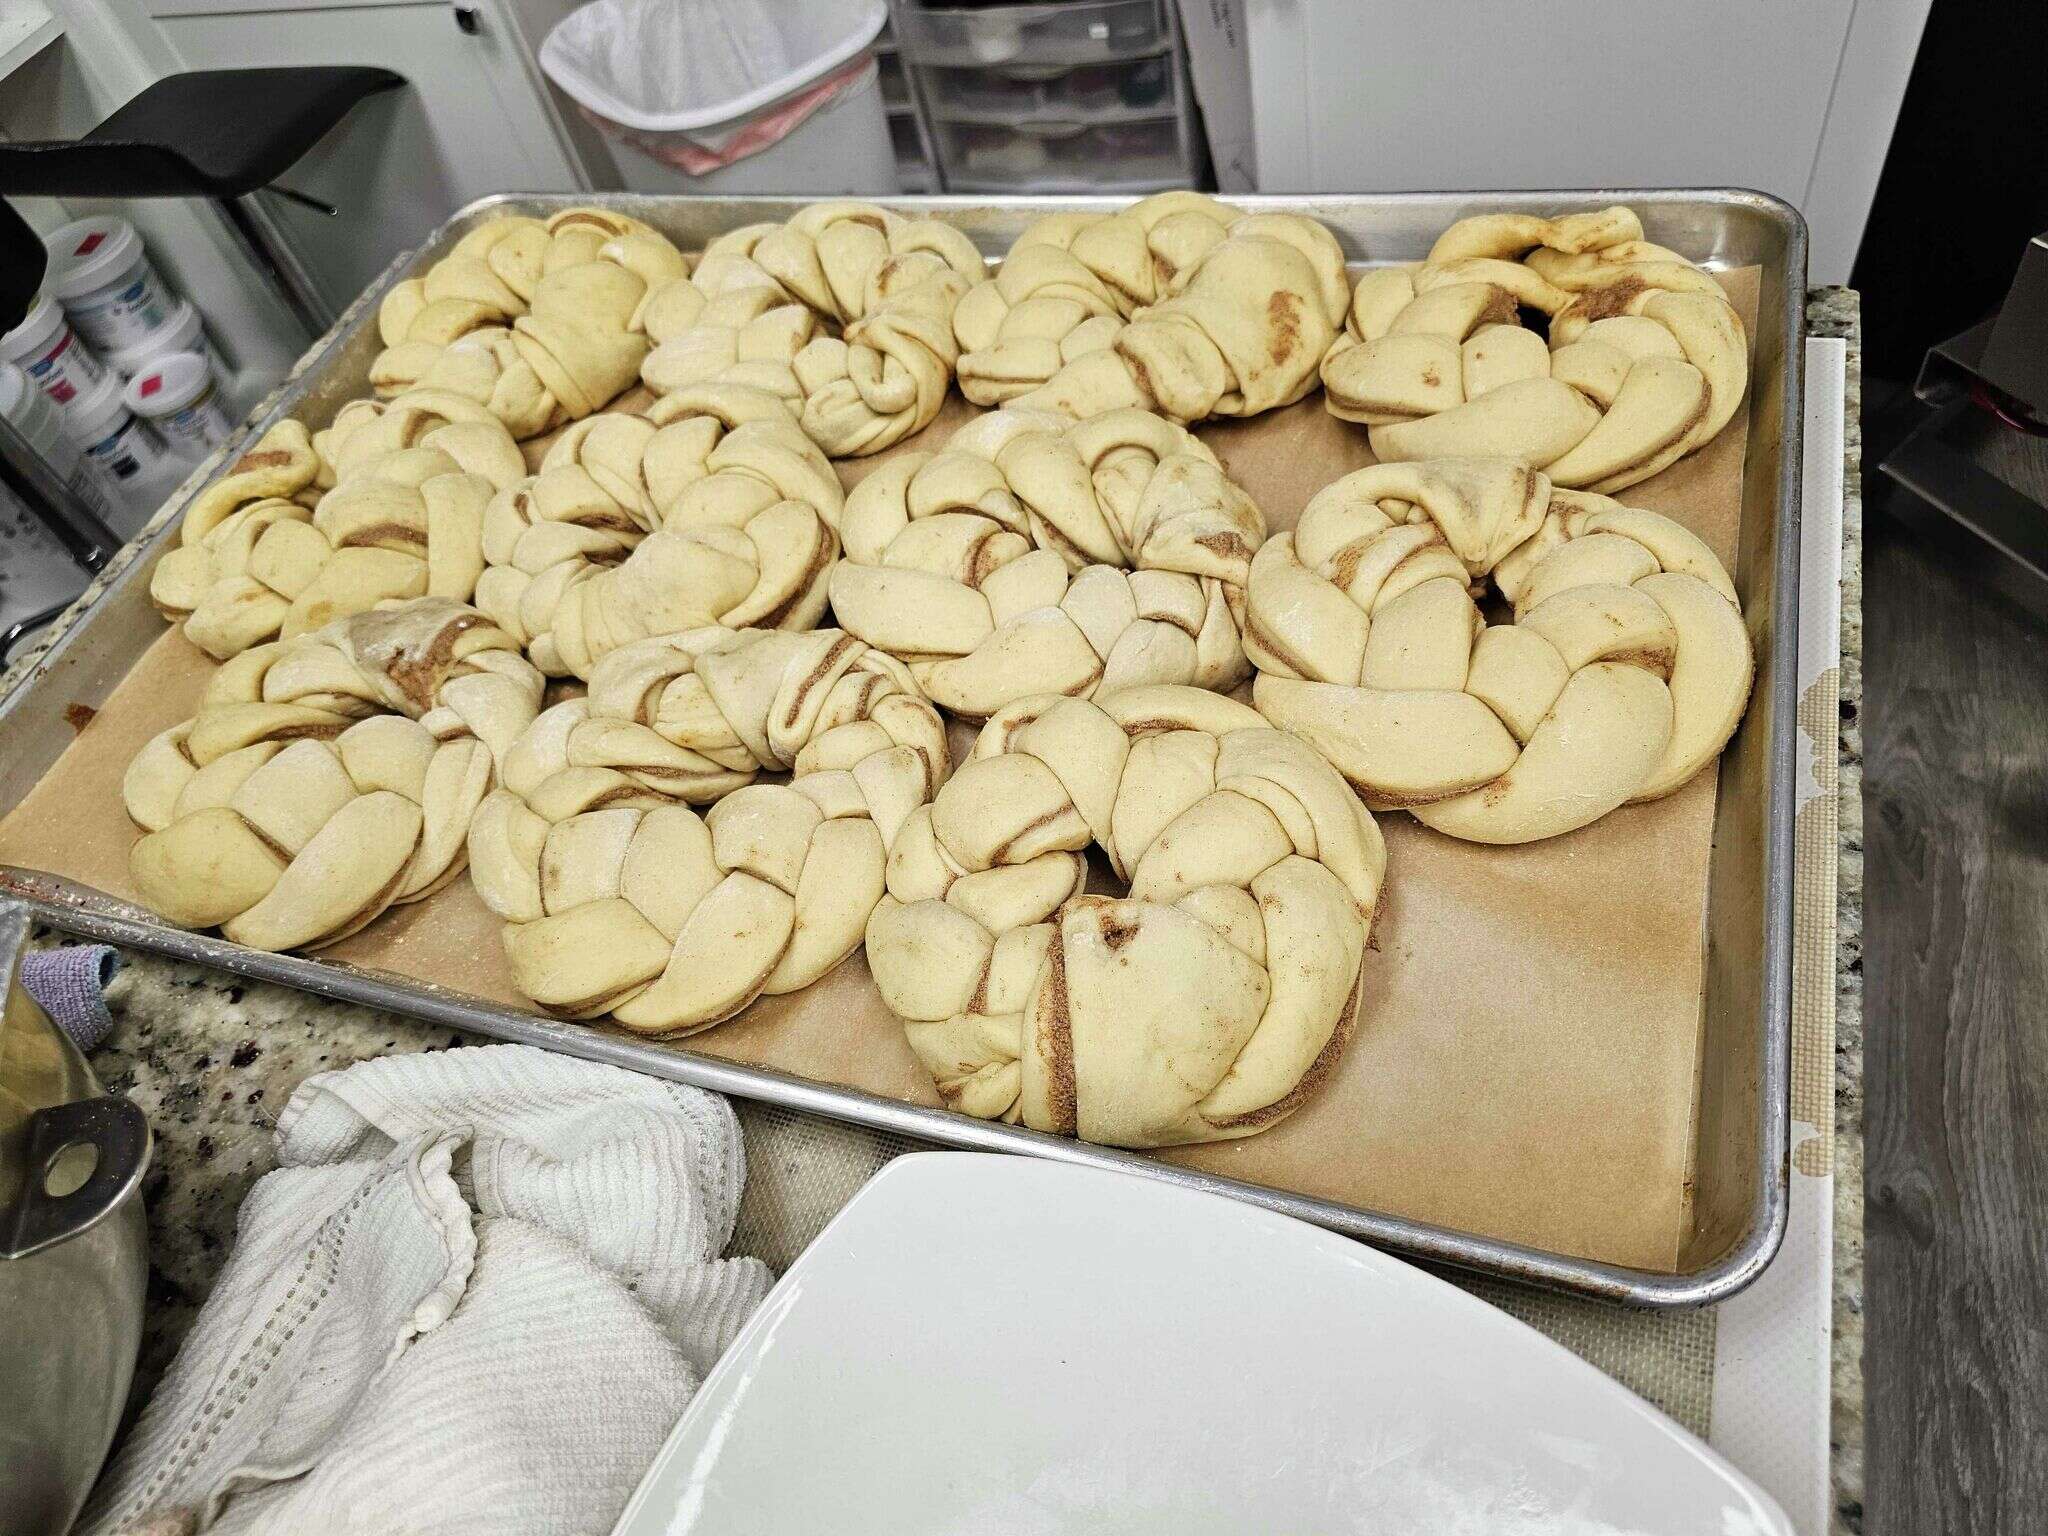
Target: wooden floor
1956 1045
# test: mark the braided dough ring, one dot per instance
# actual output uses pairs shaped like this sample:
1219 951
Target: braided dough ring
405 519
713 509
1240 331
1646 359
873 361
1625 671
1070 282
1037 555
326 778
729 321
618 897
274 481
1206 1004
528 319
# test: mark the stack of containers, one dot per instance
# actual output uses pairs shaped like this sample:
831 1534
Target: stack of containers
69 388
127 452
141 422
29 411
101 275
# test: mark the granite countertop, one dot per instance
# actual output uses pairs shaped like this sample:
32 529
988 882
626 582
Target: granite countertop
212 1060
1838 312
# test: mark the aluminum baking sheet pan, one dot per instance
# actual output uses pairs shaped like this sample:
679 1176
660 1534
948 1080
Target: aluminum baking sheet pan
1741 1121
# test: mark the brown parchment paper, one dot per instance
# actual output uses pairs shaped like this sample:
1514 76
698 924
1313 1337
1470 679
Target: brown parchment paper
1525 1063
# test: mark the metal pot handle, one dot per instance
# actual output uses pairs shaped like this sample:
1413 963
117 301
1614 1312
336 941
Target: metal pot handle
116 1130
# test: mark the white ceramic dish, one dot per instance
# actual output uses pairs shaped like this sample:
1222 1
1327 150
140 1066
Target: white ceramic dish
1003 1345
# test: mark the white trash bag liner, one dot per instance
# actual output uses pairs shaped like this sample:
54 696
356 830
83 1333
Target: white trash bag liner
702 83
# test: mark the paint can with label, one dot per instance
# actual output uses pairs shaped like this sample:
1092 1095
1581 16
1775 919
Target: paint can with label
56 361
101 275
176 395
30 413
126 451
181 333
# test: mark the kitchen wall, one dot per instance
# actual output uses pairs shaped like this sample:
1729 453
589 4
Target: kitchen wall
1395 95
476 117
108 52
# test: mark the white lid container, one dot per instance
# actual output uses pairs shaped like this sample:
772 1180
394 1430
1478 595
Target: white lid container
178 395
101 274
183 332
31 414
51 354
96 411
126 450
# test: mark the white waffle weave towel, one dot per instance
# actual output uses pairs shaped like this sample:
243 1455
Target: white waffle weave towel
476 1294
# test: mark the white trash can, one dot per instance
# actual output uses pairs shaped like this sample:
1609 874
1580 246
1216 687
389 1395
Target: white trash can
731 96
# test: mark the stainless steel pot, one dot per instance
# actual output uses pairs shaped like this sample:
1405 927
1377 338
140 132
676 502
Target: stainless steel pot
73 1258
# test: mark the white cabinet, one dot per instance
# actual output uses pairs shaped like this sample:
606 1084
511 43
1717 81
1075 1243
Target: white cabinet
473 119
1393 95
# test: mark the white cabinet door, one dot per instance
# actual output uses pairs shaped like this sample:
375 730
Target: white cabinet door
469 123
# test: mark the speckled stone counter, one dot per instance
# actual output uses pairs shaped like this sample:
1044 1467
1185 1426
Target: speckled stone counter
1838 312
212 1060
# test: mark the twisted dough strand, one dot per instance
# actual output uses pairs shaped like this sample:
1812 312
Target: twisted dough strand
1039 555
1238 331
728 321
1624 672
327 777
273 481
1206 1004
845 311
619 898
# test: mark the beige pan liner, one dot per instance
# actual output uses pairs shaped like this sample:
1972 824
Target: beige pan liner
1570 1065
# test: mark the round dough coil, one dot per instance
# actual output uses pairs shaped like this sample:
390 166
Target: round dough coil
1037 555
1646 359
1207 1003
846 310
713 509
1624 672
620 898
329 777
1239 331
530 319
405 519
1069 283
